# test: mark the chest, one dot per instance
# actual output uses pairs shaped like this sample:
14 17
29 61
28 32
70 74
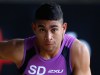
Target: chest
38 66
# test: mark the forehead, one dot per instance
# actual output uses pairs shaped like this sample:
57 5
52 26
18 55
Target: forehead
48 23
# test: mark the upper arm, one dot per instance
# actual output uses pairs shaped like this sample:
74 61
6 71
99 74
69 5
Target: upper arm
12 50
80 59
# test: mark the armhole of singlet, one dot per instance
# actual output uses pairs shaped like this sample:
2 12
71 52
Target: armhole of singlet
28 54
70 56
25 49
69 45
70 53
24 55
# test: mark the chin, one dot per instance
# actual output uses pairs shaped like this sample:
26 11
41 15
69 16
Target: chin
50 49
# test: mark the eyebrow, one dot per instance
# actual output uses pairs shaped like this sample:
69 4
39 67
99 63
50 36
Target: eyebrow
51 26
41 26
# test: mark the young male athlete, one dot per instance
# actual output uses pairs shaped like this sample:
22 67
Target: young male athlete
50 51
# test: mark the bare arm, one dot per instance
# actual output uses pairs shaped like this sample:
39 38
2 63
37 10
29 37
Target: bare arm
12 50
80 59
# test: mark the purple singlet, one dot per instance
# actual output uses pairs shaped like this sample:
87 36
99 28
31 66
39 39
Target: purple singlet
39 66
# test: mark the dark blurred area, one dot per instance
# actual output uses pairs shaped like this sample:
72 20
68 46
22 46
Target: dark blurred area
83 17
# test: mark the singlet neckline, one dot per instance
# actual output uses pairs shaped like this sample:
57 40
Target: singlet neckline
55 57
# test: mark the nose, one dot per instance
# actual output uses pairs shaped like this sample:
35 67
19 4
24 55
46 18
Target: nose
48 36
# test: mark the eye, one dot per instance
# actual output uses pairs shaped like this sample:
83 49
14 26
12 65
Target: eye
54 29
42 30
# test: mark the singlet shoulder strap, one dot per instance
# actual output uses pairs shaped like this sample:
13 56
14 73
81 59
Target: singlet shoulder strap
29 54
66 54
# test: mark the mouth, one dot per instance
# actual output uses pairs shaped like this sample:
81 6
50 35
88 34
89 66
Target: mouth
48 43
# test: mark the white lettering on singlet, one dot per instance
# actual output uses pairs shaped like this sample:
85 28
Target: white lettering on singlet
34 70
41 70
55 71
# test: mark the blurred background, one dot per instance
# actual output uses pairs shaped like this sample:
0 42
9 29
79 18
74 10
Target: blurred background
82 16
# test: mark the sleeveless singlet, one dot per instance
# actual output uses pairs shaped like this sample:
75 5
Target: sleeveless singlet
34 64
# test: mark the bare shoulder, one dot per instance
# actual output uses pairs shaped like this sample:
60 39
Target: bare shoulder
12 50
78 48
80 57
12 45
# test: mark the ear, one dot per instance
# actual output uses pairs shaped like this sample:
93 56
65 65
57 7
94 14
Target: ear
33 27
64 27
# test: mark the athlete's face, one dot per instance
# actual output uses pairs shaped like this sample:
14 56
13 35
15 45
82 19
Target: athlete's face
49 34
